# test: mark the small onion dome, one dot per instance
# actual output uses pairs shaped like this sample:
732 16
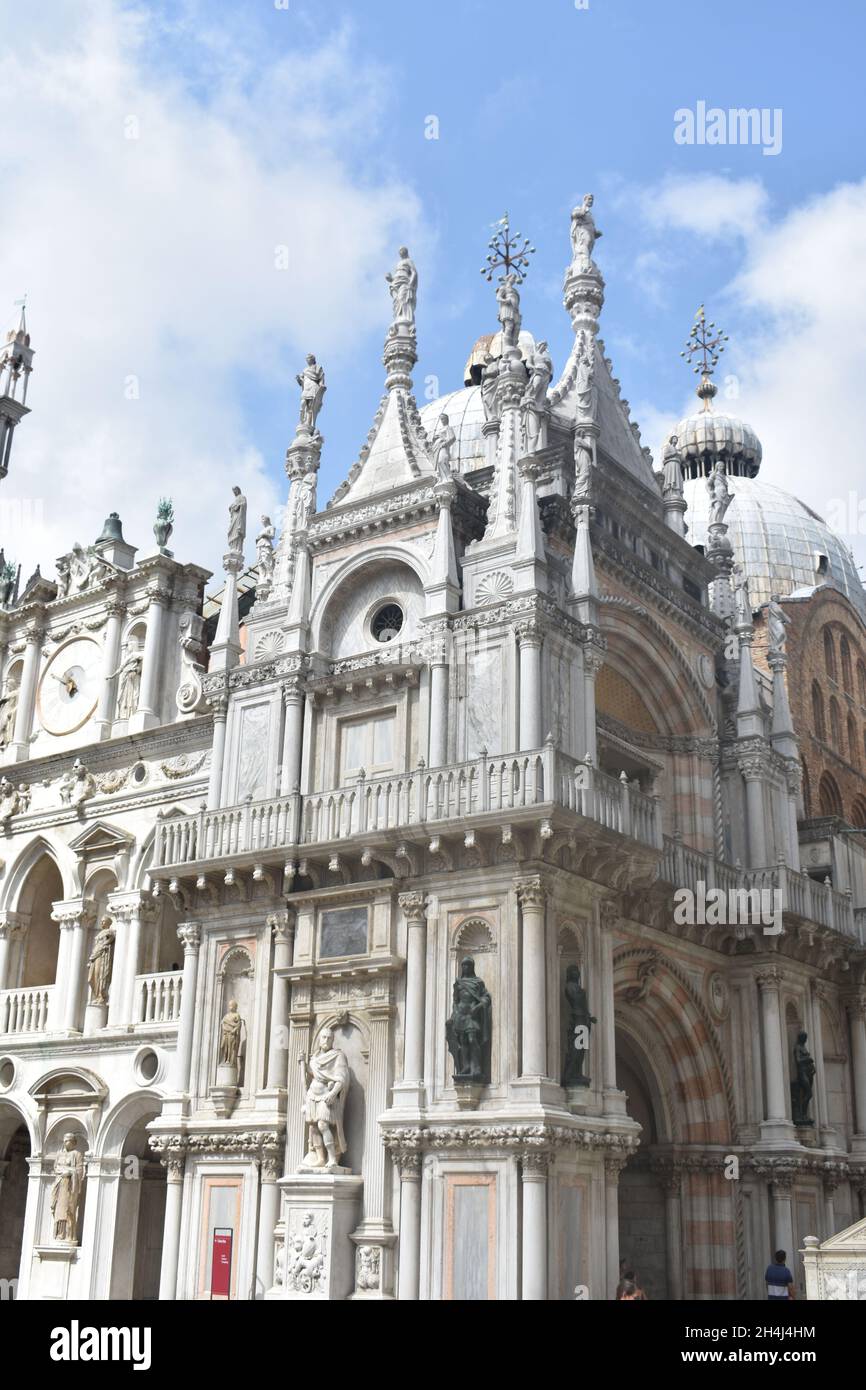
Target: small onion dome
706 436
492 343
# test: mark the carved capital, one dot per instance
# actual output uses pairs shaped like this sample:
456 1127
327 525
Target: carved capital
535 1165
531 893
413 907
529 633
189 933
282 924
770 978
293 691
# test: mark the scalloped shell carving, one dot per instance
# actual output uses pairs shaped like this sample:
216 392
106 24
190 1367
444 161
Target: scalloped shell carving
492 588
269 643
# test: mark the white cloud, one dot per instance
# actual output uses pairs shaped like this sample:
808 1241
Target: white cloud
800 371
154 258
707 204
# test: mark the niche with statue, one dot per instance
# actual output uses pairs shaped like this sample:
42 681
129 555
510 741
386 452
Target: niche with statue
234 996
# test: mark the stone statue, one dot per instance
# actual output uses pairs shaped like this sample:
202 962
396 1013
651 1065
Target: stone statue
583 467
368 1267
489 378
403 284
672 475
306 1259
540 373
66 1190
9 799
721 496
99 962
328 1073
742 602
580 1021
64 576
584 381
584 235
305 503
77 784
312 383
777 623
442 448
230 1036
509 312
9 711
265 549
237 521
129 672
469 1030
803 1082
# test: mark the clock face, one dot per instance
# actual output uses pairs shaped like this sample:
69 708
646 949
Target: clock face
69 688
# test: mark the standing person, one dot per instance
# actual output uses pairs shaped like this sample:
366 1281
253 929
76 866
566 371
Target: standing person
778 1278
628 1288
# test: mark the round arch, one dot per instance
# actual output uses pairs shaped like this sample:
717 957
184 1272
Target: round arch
647 656
384 555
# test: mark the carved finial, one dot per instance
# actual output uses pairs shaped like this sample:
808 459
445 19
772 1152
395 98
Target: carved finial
505 251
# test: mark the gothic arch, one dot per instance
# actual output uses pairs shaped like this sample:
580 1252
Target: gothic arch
645 654
27 860
662 996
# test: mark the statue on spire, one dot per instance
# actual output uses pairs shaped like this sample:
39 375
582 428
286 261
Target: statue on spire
312 383
672 473
721 496
584 235
403 286
508 312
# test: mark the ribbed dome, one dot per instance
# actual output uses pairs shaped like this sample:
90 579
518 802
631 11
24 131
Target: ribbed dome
492 343
707 435
777 539
466 416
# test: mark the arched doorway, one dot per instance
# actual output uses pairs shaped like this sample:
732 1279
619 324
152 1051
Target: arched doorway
14 1153
643 1237
36 962
139 1218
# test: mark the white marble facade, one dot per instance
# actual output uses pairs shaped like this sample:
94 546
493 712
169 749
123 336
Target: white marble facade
484 708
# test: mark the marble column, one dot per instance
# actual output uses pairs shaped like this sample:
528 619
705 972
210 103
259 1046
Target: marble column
190 934
856 1006
818 994
613 1166
174 1166
409 1273
11 925
755 817
672 1181
529 637
110 662
290 769
27 691
134 915
781 1190
269 1215
614 1099
282 925
220 706
531 896
438 750
769 985
533 1171
414 908
148 713
829 1186
374 1221
74 917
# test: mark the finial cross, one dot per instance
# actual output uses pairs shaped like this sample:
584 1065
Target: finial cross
508 250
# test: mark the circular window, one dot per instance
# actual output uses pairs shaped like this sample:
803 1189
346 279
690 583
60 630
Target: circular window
139 773
7 1073
146 1066
387 622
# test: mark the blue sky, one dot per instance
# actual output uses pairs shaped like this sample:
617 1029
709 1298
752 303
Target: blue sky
322 110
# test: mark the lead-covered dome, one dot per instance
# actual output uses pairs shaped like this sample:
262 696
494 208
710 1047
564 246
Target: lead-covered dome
707 435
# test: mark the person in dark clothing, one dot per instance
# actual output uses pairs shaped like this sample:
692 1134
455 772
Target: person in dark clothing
778 1278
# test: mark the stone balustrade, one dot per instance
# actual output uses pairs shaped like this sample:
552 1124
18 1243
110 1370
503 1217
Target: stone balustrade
25 1010
158 997
498 787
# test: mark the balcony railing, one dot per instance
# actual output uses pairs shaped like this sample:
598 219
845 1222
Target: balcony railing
25 1010
800 895
500 787
158 997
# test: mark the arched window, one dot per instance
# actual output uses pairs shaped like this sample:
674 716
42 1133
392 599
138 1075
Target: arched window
861 682
828 796
807 792
829 654
845 654
835 725
853 748
818 712
858 812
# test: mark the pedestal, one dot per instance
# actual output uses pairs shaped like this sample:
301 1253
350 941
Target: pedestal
56 1262
95 1017
226 1091
320 1212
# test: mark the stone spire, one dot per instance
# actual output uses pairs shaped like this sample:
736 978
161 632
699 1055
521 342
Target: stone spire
16 364
303 457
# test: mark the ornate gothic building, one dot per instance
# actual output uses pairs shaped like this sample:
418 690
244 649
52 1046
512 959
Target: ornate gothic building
480 908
